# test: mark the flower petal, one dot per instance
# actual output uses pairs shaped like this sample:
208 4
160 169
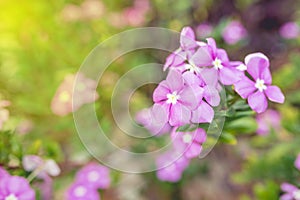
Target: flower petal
175 59
274 94
193 150
244 87
187 38
211 95
175 81
160 92
256 62
179 115
228 75
191 79
209 76
222 55
200 135
202 57
191 96
258 102
203 114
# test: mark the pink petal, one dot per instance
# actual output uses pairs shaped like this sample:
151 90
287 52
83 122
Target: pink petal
258 102
161 91
191 96
222 55
287 187
191 79
187 38
209 76
244 87
202 57
274 94
228 75
211 95
203 114
297 162
200 135
212 44
175 59
286 197
175 81
193 150
179 115
265 75
256 62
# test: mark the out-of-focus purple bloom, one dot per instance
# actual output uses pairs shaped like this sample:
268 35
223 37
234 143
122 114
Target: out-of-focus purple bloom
234 32
260 87
154 119
291 192
171 166
81 191
267 121
15 188
85 93
135 15
177 99
189 143
297 162
289 30
204 30
222 68
3 173
94 175
43 167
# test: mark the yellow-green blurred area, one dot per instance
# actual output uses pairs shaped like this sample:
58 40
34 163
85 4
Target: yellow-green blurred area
41 42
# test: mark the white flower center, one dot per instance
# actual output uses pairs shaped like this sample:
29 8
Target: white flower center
11 197
217 64
172 98
296 195
93 176
187 138
80 191
192 68
242 67
260 85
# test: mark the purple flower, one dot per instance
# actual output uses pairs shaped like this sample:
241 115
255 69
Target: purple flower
94 175
267 121
189 143
171 166
234 32
291 192
289 30
3 173
204 30
15 188
81 191
297 162
257 89
154 119
177 98
220 67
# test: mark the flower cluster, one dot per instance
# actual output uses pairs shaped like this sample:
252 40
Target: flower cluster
191 90
88 181
14 187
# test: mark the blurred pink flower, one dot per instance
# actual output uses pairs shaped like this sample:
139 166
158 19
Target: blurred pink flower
291 192
289 30
135 15
234 32
81 191
24 127
92 9
3 173
267 121
43 167
297 162
94 175
204 30
14 188
85 93
189 143
171 171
